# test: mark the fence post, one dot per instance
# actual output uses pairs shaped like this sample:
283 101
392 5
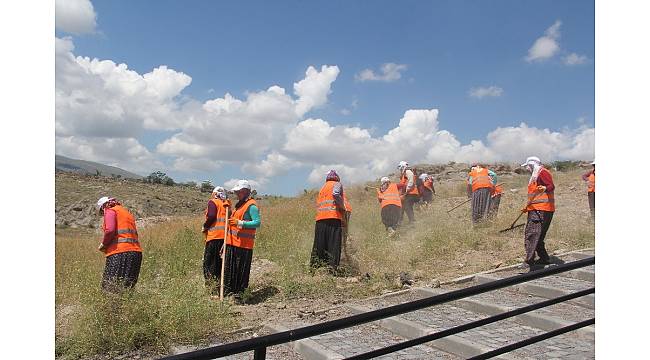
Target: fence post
260 353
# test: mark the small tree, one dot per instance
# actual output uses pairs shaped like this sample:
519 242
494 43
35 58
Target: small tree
159 177
206 186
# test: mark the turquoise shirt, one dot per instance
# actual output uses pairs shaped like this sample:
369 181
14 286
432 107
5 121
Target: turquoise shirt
252 218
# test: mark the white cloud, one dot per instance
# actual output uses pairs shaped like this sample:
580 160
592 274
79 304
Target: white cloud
389 72
574 59
312 91
482 91
102 108
546 46
101 98
126 153
255 185
75 16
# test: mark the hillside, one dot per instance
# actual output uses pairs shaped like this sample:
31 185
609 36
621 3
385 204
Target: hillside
66 164
76 195
170 304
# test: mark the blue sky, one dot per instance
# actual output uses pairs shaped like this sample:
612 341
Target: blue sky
446 49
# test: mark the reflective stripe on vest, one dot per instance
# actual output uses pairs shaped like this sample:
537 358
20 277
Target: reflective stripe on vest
127 234
544 201
325 205
480 179
217 229
390 196
404 181
242 238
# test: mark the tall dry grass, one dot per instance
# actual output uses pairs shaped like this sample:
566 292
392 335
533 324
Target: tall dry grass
170 304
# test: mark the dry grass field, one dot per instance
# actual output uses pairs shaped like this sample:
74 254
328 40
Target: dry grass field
170 305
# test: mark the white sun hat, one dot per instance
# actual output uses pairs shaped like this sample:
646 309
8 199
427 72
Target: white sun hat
241 184
384 180
102 200
219 189
531 160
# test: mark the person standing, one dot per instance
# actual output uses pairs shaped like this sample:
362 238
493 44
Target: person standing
540 209
590 178
242 227
408 188
214 229
479 188
120 245
330 214
391 204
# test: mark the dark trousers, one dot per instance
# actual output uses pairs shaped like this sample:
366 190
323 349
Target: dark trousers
493 208
407 206
212 264
238 269
480 204
592 203
390 216
327 243
121 271
536 228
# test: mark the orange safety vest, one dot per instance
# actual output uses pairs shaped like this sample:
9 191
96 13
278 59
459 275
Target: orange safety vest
591 182
480 179
428 183
217 229
540 201
390 196
242 238
404 181
325 204
498 190
127 234
346 203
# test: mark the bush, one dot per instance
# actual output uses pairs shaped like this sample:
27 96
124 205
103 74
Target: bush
159 177
206 186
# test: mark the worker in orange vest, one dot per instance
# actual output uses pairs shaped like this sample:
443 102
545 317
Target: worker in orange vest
590 179
495 200
540 209
120 245
391 204
479 188
408 189
330 215
214 229
242 229
427 190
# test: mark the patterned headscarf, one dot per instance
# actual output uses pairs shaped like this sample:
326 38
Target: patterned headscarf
111 202
332 176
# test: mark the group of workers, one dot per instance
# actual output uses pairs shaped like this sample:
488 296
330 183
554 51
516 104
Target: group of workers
232 230
226 229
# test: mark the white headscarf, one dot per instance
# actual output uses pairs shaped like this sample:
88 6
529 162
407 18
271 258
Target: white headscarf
534 164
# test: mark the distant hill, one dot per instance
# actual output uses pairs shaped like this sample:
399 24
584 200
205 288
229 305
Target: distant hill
88 167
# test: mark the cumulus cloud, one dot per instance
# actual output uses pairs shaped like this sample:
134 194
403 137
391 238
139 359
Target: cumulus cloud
483 91
547 45
103 108
389 72
574 59
126 153
312 91
75 16
101 98
255 185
